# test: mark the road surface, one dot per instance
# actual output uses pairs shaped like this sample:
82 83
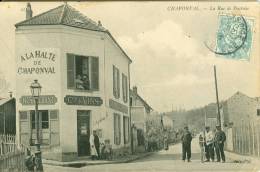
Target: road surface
165 161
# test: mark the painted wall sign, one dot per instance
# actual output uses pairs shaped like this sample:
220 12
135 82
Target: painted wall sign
37 62
43 100
83 100
118 106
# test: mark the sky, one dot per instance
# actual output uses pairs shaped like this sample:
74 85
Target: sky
172 68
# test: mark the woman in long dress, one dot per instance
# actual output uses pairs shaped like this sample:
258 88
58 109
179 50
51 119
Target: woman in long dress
93 150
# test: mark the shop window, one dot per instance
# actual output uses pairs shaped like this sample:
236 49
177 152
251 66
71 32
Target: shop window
124 88
82 72
258 112
116 82
126 129
117 129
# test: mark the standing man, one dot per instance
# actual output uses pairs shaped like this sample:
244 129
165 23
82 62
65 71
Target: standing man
93 150
97 144
220 138
209 145
186 144
202 145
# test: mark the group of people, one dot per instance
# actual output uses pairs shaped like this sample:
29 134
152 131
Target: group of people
209 141
82 82
99 150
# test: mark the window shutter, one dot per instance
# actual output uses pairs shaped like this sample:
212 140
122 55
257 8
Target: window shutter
54 127
118 83
25 129
123 86
115 129
126 89
70 71
119 128
94 73
114 81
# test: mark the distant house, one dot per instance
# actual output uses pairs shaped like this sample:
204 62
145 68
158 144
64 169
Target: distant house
140 111
7 116
240 107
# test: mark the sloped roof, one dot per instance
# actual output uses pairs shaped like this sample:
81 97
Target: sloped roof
144 102
62 15
3 101
68 16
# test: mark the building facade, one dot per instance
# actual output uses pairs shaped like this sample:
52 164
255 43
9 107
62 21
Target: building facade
240 108
84 75
140 111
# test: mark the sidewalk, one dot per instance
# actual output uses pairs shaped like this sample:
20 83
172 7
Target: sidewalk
242 158
87 161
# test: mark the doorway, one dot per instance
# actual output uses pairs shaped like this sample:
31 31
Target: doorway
83 132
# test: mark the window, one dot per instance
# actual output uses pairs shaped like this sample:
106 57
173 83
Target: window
258 112
116 82
117 129
126 129
43 126
124 88
43 119
82 72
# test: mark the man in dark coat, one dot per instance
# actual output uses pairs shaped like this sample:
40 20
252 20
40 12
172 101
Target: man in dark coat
220 138
186 144
97 143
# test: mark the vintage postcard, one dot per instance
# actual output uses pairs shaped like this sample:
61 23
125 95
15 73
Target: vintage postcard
129 86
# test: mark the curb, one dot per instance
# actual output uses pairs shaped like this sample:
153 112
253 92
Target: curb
243 158
82 163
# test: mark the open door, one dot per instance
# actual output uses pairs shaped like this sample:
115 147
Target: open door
83 132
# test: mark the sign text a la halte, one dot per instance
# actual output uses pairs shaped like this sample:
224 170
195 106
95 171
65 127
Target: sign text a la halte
37 62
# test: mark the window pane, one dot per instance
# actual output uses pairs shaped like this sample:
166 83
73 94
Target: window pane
45 116
45 125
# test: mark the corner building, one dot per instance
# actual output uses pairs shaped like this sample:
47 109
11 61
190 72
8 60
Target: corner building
84 75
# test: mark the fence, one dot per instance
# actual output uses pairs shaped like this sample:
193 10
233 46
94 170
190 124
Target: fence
12 156
246 138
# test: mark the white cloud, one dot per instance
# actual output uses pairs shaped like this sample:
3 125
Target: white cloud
169 64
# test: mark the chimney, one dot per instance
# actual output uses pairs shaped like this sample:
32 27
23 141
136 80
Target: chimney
10 94
29 11
99 23
135 90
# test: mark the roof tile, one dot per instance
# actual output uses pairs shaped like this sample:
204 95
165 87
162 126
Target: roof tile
64 15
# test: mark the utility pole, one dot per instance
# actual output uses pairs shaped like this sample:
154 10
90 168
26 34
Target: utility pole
216 87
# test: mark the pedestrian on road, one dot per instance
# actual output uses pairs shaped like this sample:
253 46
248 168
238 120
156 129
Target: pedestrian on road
202 145
97 144
186 144
93 150
209 145
220 138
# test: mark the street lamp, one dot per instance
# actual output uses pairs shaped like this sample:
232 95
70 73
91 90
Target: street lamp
36 91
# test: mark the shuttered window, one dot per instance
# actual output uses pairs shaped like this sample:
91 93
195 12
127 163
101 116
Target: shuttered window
116 82
117 129
25 129
70 71
82 72
54 127
124 88
126 129
94 73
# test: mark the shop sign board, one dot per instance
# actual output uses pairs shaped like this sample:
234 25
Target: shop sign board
83 100
43 100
